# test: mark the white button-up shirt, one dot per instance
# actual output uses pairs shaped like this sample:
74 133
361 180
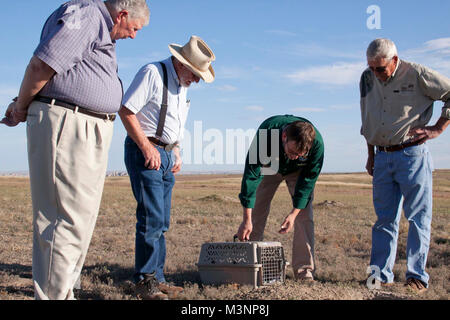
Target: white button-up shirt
144 98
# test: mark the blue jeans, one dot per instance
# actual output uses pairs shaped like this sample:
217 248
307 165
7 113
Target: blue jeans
402 175
152 190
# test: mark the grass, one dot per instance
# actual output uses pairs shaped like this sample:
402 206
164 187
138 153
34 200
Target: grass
205 208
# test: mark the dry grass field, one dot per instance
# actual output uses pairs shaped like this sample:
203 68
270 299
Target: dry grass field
206 209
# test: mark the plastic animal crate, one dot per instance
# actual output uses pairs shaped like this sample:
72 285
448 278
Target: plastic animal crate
254 263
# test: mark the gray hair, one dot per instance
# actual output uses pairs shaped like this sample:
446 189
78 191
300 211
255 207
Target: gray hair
137 9
381 48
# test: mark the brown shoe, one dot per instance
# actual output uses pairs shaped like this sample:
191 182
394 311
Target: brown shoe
147 289
386 284
305 275
416 285
170 290
377 284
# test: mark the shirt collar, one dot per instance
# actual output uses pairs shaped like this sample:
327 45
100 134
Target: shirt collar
391 78
106 15
396 68
171 69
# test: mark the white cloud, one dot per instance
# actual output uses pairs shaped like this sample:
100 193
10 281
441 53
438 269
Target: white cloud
434 54
197 86
227 88
342 107
441 44
316 50
339 73
135 63
7 93
9 90
308 110
282 33
230 73
254 108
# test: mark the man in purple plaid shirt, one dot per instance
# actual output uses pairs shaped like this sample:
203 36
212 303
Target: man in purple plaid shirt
69 96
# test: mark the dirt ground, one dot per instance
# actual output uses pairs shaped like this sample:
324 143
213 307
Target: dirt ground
205 208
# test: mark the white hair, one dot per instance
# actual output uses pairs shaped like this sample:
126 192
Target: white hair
137 9
381 48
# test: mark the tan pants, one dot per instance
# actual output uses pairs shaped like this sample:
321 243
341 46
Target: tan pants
67 155
303 243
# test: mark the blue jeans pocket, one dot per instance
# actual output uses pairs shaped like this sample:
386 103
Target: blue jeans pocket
415 151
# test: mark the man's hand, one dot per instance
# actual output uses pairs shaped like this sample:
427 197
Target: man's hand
370 159
37 75
151 154
246 227
13 116
177 165
152 157
244 231
288 222
422 134
370 163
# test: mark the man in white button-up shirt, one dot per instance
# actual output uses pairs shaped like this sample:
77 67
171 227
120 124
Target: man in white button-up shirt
154 112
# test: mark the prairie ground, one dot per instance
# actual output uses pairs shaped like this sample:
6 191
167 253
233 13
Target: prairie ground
205 208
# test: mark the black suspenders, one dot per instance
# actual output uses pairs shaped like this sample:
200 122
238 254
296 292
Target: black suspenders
163 113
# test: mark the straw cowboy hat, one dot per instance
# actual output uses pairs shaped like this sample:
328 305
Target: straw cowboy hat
197 56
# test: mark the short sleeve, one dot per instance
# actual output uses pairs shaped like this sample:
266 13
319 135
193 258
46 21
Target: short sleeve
68 36
139 93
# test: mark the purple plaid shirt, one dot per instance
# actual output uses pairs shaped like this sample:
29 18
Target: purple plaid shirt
76 43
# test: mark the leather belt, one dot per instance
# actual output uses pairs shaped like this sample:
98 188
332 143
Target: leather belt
157 142
398 147
165 146
75 108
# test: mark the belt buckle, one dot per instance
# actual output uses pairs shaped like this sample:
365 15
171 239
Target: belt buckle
109 117
169 147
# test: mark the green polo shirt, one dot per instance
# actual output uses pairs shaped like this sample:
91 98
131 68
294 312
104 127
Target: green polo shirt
309 168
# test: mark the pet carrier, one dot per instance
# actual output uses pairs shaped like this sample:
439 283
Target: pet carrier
254 263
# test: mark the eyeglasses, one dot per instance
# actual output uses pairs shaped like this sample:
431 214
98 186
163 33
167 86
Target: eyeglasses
380 69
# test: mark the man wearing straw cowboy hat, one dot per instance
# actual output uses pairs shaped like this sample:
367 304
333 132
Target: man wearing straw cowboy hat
154 112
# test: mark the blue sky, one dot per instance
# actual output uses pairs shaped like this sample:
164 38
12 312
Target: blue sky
273 57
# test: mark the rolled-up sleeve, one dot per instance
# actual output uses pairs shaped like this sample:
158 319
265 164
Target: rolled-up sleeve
446 110
437 87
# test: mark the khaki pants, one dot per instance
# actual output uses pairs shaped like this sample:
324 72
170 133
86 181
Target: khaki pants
67 155
303 243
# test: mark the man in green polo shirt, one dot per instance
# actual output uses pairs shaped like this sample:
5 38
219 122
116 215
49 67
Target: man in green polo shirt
287 148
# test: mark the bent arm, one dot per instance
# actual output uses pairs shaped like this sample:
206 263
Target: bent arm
134 130
37 74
